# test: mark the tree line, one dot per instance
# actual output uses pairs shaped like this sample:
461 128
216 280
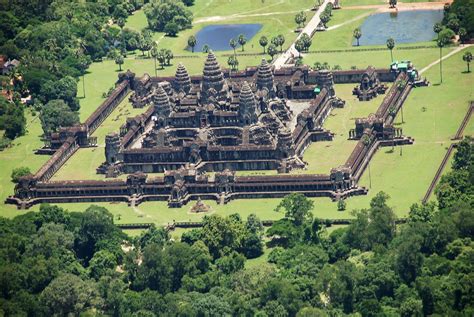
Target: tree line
55 262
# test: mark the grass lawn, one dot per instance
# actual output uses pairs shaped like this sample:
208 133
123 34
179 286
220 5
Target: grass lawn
432 115
83 163
322 156
18 155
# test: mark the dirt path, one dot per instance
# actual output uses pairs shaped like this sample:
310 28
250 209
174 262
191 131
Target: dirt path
401 6
220 18
460 48
349 21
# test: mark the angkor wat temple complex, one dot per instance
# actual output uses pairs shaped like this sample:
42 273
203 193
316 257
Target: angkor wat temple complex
197 131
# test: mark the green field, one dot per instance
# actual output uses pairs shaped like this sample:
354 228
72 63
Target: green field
432 115
322 156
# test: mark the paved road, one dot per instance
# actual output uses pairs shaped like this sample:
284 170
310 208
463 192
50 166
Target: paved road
309 29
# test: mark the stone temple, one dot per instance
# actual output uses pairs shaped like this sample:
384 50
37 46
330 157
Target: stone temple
217 121
196 132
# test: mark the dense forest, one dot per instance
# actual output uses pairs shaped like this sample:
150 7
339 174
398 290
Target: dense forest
55 262
56 41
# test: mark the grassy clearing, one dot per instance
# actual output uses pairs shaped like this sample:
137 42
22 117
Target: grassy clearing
18 155
380 59
322 156
83 163
205 8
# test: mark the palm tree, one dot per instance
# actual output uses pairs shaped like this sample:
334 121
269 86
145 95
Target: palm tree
467 57
437 28
263 42
154 54
242 40
272 50
357 34
441 43
233 62
192 42
168 56
390 46
281 41
233 44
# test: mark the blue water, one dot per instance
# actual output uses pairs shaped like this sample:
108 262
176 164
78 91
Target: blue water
217 37
404 27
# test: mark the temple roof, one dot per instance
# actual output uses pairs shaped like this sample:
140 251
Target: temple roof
212 73
182 79
264 75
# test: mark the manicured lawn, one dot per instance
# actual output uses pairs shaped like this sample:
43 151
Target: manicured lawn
20 154
322 156
379 59
83 163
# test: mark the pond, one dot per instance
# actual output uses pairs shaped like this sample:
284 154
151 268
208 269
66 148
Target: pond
403 27
217 36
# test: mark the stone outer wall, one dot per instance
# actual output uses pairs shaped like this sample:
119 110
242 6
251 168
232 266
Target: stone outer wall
223 187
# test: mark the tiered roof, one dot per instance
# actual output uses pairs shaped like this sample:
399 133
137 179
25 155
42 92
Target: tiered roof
264 75
212 74
182 79
161 101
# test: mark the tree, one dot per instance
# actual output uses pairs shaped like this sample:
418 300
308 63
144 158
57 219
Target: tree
440 44
300 18
56 114
242 40
467 57
19 172
119 61
233 62
233 44
192 42
96 228
357 35
390 46
102 263
155 271
341 205
454 24
168 56
297 208
392 3
263 42
299 46
68 294
464 156
154 53
161 57
205 48
171 29
221 235
437 27
325 18
159 13
121 23
280 41
306 39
